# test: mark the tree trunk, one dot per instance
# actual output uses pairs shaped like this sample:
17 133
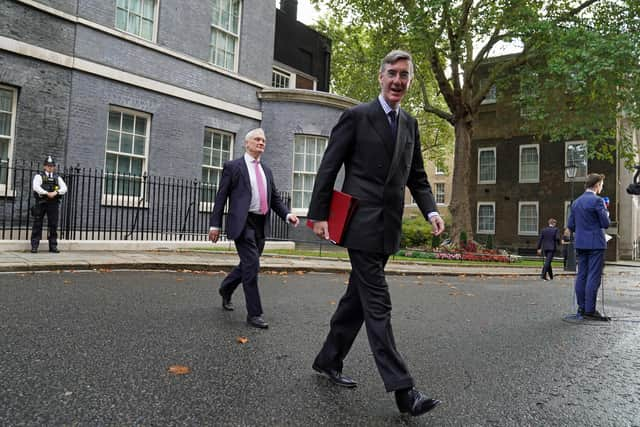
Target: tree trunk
460 206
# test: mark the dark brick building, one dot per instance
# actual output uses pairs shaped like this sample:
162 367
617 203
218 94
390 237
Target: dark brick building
519 181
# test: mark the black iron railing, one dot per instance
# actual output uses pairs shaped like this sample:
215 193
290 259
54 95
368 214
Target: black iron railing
107 206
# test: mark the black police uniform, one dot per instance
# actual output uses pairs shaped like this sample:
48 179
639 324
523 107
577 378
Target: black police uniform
46 206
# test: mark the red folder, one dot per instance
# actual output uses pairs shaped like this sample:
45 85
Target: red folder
340 212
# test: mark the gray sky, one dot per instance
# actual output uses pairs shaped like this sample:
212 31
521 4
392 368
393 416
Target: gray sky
306 13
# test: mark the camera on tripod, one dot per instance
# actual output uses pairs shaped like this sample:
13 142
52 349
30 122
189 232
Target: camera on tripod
634 187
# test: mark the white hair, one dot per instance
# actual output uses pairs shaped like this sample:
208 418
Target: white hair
252 133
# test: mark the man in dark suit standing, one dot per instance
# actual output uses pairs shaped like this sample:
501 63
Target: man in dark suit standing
547 245
379 145
588 219
248 185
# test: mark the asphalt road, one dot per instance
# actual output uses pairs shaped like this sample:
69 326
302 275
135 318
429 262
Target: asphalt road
94 348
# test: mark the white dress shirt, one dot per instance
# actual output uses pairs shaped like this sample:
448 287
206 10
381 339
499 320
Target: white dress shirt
37 185
254 206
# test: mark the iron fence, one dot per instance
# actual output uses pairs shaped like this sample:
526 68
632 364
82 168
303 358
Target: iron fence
100 205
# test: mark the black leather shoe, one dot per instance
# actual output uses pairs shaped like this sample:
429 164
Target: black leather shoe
335 377
226 301
596 316
34 250
257 322
414 402
580 311
54 250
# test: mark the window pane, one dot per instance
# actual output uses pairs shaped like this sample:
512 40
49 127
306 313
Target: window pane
138 146
122 4
123 165
134 6
136 167
5 124
127 123
114 120
4 148
113 141
134 24
141 126
121 19
206 156
6 100
146 31
126 143
112 163
148 9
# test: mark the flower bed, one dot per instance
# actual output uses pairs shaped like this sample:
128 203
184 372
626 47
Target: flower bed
461 256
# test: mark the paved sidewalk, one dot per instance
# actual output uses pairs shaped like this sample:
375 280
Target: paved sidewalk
88 257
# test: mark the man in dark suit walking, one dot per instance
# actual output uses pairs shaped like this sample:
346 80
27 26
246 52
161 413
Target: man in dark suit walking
547 245
249 187
379 145
588 219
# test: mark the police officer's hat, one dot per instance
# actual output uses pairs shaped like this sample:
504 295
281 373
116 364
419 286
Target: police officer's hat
49 161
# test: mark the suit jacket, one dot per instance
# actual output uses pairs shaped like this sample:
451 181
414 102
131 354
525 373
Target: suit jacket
588 219
549 239
236 187
376 171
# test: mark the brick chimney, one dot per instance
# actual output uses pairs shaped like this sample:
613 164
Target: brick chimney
290 7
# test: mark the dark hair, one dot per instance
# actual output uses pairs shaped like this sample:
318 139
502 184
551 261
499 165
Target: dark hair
395 56
593 179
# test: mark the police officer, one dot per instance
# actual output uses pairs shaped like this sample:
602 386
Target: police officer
48 188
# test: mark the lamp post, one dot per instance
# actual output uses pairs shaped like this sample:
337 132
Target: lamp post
571 171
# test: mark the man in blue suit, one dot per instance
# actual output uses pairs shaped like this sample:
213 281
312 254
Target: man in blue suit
248 186
547 244
588 219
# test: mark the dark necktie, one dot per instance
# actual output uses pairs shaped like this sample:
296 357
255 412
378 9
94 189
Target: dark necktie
393 123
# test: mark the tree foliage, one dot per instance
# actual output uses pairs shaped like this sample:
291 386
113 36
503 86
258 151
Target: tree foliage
577 71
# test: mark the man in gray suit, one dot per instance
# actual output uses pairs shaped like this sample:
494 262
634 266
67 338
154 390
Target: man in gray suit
379 145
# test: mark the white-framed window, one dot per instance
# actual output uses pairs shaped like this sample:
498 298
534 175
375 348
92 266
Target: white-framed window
487 165
486 218
137 17
528 218
280 78
575 153
225 33
126 157
307 154
530 163
217 148
439 193
8 106
440 170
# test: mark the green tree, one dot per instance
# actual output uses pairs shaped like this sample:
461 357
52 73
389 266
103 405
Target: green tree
579 63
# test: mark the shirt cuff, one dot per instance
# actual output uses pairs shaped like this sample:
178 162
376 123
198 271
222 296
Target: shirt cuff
213 228
431 215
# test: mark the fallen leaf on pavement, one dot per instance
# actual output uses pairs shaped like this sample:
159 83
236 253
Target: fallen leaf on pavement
179 370
242 340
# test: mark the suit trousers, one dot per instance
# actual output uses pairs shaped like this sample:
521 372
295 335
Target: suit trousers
590 265
50 209
249 245
546 268
367 301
